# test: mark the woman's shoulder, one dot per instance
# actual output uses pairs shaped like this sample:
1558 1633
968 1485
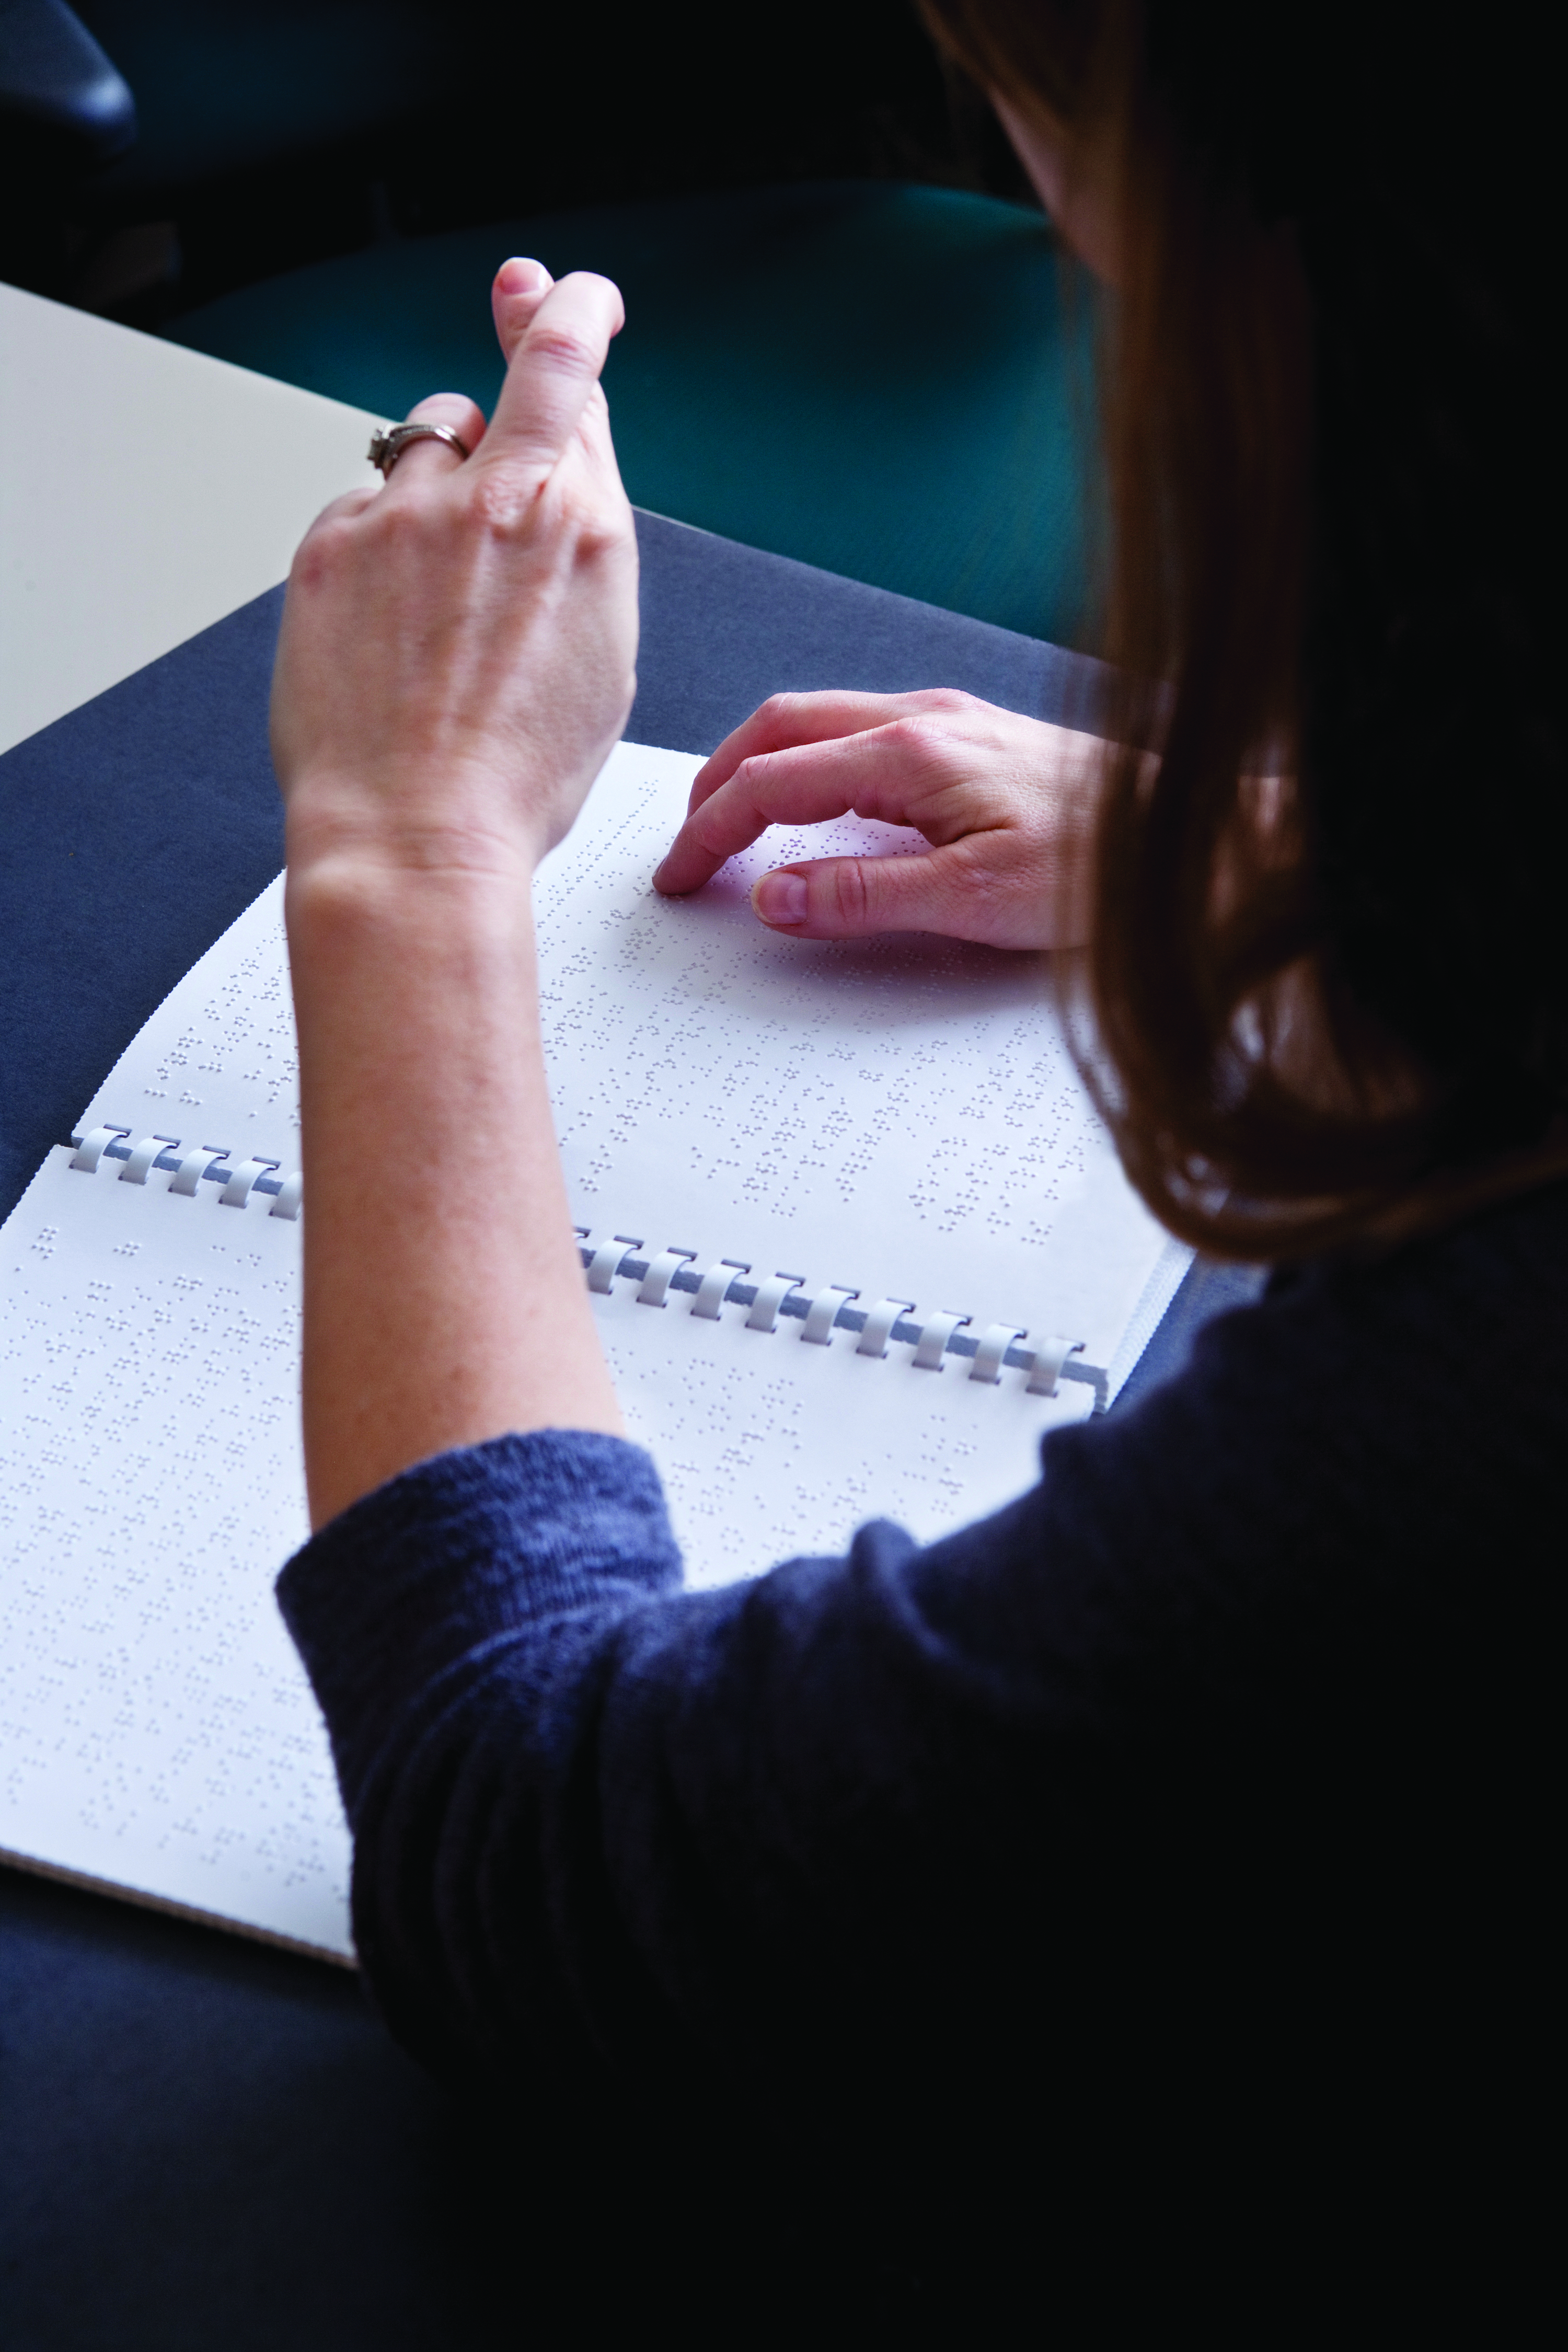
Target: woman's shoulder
1480 1300
1410 1404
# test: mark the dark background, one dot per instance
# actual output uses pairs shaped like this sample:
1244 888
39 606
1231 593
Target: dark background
273 136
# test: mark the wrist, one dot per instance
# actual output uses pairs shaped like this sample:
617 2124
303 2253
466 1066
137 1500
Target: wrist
450 828
369 916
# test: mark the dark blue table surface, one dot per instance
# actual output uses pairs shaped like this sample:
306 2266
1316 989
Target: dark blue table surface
204 2141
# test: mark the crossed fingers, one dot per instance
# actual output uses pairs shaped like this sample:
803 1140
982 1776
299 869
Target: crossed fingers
556 338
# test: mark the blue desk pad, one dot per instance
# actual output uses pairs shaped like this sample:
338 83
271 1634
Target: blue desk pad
206 2142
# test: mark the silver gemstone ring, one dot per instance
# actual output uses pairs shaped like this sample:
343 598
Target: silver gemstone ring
385 448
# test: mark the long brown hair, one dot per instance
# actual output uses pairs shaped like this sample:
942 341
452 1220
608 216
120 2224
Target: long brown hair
1327 967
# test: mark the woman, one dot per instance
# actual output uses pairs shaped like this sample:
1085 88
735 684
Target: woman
1160 1809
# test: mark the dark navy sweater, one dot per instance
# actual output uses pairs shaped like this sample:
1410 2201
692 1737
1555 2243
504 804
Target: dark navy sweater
1205 1781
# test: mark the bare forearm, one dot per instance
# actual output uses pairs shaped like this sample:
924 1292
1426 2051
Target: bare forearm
443 1297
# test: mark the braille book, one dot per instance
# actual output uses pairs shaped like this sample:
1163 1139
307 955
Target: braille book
854 1234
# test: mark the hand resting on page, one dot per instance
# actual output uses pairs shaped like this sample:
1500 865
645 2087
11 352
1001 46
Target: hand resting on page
1005 803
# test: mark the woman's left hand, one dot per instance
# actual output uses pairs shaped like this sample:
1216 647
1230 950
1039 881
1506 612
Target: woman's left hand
1006 805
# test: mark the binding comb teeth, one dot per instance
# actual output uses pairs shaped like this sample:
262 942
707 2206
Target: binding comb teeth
666 1276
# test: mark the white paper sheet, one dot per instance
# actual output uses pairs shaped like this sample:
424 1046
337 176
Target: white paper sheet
903 1119
905 1111
156 1727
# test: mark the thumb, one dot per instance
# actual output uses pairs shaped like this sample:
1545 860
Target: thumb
852 898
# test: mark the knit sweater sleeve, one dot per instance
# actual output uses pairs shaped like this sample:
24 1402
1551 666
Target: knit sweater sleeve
1236 1649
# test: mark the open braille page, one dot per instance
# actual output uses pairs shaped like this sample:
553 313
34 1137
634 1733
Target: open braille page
158 1729
853 1233
904 1110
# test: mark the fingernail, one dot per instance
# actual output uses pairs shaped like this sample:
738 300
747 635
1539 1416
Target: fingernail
521 276
780 898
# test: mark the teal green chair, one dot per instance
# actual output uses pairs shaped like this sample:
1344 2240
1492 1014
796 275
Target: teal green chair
892 382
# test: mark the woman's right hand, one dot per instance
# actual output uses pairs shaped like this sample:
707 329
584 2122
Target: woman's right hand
457 658
459 648
1006 805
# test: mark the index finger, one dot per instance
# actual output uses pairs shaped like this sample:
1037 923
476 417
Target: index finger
734 813
786 721
870 772
554 369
